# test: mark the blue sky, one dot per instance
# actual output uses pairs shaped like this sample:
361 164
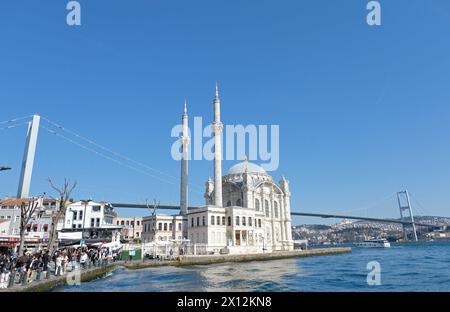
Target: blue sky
363 111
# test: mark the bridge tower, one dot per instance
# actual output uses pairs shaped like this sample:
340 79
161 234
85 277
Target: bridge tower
28 157
406 213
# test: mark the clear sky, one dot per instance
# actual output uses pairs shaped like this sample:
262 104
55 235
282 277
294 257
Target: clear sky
363 111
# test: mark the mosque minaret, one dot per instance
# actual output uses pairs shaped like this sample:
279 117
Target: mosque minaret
184 163
217 128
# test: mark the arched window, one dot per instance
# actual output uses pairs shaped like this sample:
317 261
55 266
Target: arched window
223 220
165 226
170 226
266 204
218 220
237 220
257 204
212 220
275 209
160 226
243 221
229 203
238 202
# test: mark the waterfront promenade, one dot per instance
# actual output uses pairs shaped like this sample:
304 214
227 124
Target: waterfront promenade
44 282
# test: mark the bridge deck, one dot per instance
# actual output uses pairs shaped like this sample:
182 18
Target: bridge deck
305 214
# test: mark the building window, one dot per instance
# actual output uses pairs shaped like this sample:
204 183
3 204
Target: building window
92 222
74 226
250 221
179 226
96 208
98 222
192 222
218 220
238 202
165 226
137 234
170 226
128 223
237 220
132 223
257 204
243 221
259 222
159 226
117 222
198 221
203 220
16 218
229 203
275 209
212 220
45 228
80 215
229 221
122 222
223 220
138 223
266 204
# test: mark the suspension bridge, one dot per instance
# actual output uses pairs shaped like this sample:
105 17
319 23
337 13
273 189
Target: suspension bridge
36 122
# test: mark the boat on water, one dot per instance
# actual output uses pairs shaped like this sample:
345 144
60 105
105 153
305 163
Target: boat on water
374 243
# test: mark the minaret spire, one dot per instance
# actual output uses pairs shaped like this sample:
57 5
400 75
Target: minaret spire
184 163
217 128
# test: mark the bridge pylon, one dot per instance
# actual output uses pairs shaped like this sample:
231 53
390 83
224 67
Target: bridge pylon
404 205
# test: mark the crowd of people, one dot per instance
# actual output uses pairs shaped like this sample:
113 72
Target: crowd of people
27 265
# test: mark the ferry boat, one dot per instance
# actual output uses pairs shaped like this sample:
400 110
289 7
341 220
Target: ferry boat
374 243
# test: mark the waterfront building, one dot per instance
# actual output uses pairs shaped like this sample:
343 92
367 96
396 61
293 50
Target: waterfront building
90 221
38 228
162 228
131 227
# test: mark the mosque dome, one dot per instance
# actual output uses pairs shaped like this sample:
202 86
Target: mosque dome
251 168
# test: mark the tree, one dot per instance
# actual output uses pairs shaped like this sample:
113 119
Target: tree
153 214
27 209
64 199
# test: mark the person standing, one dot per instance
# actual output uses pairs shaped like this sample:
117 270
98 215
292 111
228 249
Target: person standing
45 260
58 264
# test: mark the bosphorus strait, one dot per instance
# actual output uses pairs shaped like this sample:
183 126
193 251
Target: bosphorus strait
404 267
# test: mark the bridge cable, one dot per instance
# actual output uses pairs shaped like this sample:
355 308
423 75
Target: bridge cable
113 152
14 120
104 156
14 126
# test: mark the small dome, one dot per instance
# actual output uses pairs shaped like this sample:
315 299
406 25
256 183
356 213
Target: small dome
251 168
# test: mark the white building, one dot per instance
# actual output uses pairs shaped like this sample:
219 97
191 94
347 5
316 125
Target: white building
38 228
256 217
89 214
162 228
